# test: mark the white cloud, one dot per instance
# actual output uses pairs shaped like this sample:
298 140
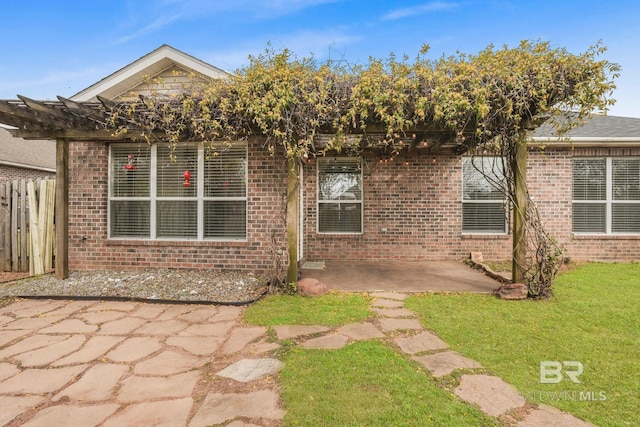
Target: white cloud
436 6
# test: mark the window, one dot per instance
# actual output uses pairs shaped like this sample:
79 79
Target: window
606 195
196 194
483 204
339 196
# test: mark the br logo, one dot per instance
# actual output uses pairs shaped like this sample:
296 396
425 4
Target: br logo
552 371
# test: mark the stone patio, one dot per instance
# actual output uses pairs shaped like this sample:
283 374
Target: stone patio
96 363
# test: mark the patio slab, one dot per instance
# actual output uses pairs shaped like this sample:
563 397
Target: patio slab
402 276
424 341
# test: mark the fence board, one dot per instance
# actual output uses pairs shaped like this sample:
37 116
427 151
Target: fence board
24 263
5 228
14 226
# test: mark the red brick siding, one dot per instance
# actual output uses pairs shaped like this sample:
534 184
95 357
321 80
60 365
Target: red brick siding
12 173
90 249
420 207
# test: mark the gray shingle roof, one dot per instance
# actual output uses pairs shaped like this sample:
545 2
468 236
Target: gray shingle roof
609 127
36 154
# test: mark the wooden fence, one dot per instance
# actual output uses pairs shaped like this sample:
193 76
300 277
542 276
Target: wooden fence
27 232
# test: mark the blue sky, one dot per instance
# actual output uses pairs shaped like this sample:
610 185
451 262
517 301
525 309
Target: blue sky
60 47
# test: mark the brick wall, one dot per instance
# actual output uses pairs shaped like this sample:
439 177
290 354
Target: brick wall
11 173
90 249
411 212
414 212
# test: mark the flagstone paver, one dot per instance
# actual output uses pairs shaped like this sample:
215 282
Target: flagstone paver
12 406
68 415
361 331
393 312
51 353
242 336
197 345
390 295
491 394
96 384
8 370
226 313
387 303
418 343
393 324
99 317
149 311
31 323
207 329
70 326
220 407
163 327
551 417
327 342
134 348
95 347
31 343
199 315
164 413
6 319
247 370
444 363
168 363
8 336
36 381
136 388
121 326
284 332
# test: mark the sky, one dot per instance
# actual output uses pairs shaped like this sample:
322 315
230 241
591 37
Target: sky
50 48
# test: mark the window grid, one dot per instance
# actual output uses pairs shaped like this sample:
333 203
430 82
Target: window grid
184 210
613 205
483 205
339 201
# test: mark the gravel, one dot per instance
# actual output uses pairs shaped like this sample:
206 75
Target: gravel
156 284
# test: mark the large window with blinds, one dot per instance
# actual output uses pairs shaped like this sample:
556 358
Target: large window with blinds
339 196
483 204
188 193
606 195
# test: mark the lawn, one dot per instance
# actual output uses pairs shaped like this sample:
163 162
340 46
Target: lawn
328 310
364 384
593 319
367 384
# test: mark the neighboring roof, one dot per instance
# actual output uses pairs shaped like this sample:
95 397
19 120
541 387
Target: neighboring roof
599 128
151 65
32 154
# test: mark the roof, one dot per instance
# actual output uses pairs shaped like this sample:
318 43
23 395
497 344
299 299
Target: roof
153 64
33 154
599 128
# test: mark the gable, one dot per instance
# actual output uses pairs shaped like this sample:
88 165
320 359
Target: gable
166 64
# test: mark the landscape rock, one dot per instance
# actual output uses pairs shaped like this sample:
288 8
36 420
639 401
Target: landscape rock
311 287
512 291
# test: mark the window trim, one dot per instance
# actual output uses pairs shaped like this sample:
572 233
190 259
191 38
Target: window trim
153 198
357 161
608 202
503 202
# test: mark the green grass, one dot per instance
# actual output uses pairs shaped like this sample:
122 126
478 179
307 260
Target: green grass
366 384
594 318
328 310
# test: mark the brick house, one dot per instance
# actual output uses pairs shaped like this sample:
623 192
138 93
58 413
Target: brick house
130 208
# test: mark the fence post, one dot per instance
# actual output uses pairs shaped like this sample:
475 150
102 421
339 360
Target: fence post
5 226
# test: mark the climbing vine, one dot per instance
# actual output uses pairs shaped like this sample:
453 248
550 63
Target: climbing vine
486 102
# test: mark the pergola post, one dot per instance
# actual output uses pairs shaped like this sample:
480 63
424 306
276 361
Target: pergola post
519 168
62 208
293 207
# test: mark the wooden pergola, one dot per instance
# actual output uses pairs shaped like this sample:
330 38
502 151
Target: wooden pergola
65 120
